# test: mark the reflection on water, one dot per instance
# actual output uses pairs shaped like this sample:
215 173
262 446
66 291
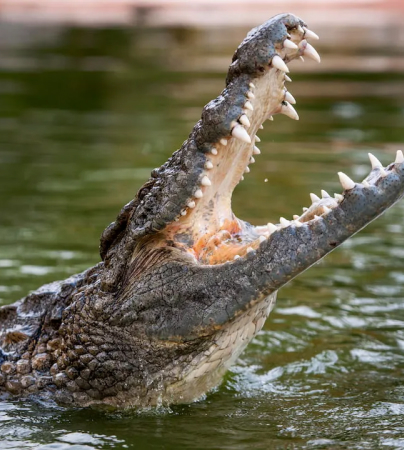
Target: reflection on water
86 114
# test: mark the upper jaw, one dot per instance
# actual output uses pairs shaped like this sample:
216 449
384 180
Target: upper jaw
255 91
227 132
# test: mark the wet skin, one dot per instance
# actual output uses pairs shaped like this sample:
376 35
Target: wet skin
184 285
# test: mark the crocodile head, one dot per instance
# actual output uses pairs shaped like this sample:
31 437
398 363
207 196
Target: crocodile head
184 284
185 207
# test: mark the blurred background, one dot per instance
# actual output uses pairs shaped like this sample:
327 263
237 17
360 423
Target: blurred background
95 94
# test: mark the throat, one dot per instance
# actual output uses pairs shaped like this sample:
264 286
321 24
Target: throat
213 240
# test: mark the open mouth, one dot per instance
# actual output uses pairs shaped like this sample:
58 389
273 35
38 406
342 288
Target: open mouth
183 213
206 229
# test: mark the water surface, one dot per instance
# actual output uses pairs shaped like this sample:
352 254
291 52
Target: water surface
86 114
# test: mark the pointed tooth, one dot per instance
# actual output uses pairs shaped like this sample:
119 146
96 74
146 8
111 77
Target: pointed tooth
289 44
242 178
326 209
257 139
314 198
256 150
338 197
252 86
300 29
247 170
244 121
284 222
325 194
298 223
184 212
271 227
250 95
250 249
198 193
278 63
308 34
205 181
365 183
214 151
399 157
248 105
270 118
289 111
376 164
261 128
311 53
295 217
262 238
223 141
208 165
301 58
236 256
288 78
289 98
252 160
191 204
346 182
240 133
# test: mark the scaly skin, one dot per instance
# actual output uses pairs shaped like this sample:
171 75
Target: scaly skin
184 285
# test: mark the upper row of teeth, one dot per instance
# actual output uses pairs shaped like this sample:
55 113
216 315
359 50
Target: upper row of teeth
238 130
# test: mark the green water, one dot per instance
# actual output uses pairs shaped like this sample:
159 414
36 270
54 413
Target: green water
86 114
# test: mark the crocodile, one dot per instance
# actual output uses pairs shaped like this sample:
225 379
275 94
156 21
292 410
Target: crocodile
183 284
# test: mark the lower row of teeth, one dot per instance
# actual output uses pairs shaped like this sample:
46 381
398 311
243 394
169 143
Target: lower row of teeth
333 202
